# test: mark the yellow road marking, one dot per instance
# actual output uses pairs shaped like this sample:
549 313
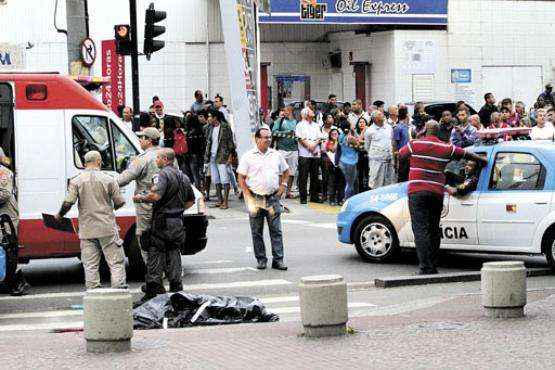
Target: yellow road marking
324 208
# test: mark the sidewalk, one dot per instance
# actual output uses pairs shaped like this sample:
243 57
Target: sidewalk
449 335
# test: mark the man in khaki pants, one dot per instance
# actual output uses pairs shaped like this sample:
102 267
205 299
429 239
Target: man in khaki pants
98 195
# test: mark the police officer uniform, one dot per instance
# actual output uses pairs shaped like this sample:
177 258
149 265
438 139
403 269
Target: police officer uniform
142 170
8 203
98 195
14 282
168 233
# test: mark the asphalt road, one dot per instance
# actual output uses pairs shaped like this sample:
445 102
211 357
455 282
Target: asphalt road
227 266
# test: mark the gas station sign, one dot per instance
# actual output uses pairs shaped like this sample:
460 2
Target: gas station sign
415 12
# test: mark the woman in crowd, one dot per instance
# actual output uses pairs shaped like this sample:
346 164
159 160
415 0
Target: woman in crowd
348 161
496 121
332 155
328 125
362 165
475 122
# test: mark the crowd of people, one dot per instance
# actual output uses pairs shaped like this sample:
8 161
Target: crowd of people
343 150
203 142
333 150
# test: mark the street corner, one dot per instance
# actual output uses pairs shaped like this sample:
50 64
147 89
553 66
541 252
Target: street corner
324 208
293 207
236 210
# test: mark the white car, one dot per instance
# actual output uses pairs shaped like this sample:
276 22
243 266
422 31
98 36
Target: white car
511 211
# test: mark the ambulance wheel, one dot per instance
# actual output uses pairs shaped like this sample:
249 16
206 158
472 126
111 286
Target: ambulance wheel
376 239
549 249
136 265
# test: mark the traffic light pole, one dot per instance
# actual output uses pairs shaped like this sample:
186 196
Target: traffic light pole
134 61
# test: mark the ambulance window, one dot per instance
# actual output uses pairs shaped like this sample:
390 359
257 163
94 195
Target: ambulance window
125 151
517 171
91 133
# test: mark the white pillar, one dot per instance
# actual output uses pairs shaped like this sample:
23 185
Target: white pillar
323 301
504 289
108 315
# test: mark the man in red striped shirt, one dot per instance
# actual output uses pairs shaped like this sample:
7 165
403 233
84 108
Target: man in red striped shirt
428 158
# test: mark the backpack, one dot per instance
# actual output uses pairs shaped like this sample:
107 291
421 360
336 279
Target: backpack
179 142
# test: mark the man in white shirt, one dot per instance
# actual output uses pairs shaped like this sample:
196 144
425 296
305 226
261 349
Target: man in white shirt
378 142
263 174
310 139
543 130
127 117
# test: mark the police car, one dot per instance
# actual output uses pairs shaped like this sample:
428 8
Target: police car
511 211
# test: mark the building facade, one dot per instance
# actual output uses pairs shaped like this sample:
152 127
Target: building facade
498 46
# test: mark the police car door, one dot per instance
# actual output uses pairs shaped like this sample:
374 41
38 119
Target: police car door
458 221
514 202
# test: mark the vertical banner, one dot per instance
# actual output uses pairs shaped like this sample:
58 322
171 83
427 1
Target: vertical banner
239 28
113 67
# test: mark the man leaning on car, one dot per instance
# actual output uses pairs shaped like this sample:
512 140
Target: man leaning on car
428 158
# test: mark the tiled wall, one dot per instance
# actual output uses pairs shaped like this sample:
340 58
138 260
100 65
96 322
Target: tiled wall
489 33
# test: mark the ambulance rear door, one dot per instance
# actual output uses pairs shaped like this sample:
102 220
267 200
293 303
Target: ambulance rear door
39 159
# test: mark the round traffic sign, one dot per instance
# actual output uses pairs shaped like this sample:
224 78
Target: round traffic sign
88 52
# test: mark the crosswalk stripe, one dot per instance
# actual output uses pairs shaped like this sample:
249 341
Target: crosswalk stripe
271 300
310 224
47 314
43 326
224 270
217 262
74 313
193 287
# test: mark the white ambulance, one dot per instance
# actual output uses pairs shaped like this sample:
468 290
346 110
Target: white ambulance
47 124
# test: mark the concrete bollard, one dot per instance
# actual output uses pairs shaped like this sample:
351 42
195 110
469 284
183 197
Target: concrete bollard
504 289
108 315
323 301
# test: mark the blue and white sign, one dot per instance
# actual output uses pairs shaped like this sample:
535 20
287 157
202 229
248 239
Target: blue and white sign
461 76
420 12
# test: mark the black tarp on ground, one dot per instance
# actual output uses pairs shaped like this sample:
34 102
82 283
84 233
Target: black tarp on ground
185 309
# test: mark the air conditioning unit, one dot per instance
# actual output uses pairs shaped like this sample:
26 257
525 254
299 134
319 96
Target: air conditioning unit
335 59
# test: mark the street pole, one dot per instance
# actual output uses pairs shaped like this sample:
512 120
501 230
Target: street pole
134 61
77 30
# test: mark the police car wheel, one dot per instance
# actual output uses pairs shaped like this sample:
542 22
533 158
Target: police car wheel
375 239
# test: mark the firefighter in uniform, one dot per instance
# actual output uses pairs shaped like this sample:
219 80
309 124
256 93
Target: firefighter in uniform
98 195
8 204
14 283
142 170
171 195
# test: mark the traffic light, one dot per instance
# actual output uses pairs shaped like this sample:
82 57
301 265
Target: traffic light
122 35
151 30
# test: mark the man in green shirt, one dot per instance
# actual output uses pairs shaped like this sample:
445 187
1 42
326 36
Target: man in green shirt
283 133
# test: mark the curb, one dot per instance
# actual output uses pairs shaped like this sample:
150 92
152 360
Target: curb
456 277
